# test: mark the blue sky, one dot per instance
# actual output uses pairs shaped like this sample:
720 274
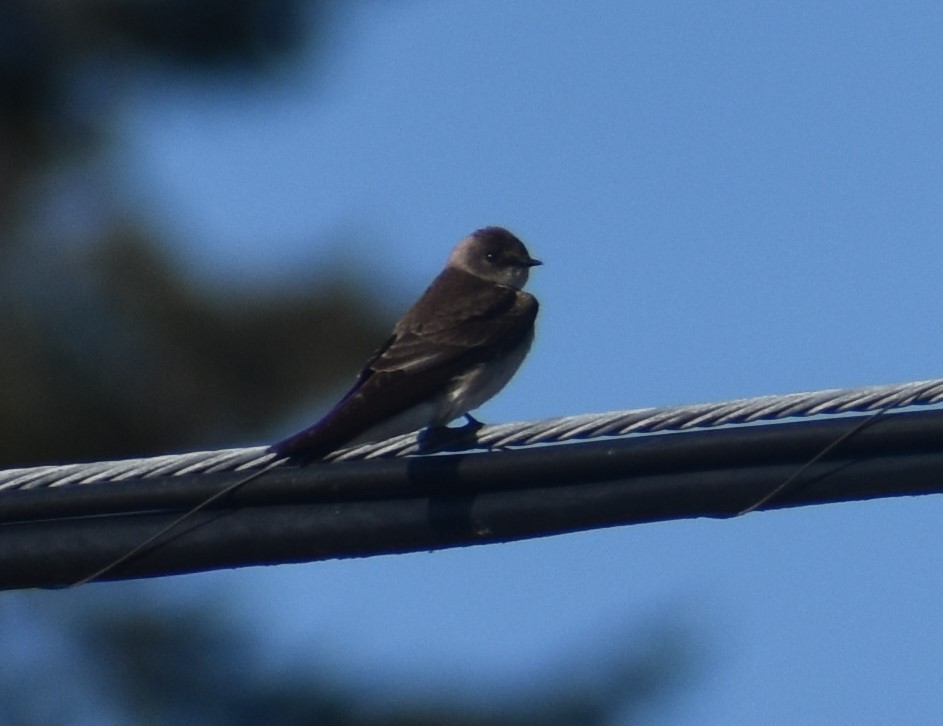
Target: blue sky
731 199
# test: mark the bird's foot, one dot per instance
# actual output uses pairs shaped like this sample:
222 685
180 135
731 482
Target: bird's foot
440 438
471 423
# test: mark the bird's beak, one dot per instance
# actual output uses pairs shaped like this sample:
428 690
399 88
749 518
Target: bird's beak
533 263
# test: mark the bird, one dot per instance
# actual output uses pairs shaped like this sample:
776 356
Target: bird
455 348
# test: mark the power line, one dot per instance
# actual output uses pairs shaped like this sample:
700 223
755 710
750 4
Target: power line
57 524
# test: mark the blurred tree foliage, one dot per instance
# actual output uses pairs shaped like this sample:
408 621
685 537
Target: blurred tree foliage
133 662
107 350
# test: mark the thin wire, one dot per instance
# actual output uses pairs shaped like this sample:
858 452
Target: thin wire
762 501
173 525
892 402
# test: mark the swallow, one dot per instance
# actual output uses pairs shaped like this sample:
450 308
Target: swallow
455 348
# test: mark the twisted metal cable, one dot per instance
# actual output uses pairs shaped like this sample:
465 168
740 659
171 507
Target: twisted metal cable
520 434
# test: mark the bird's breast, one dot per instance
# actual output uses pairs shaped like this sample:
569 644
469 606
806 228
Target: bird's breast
471 388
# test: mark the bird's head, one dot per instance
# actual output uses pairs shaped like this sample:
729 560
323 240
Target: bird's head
496 255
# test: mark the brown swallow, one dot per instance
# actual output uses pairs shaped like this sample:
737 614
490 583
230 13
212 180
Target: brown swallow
454 349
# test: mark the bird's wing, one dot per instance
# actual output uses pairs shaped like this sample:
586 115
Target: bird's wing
464 316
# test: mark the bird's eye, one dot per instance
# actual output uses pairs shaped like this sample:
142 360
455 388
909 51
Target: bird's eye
491 257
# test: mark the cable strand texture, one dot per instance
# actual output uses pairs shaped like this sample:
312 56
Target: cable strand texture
522 434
